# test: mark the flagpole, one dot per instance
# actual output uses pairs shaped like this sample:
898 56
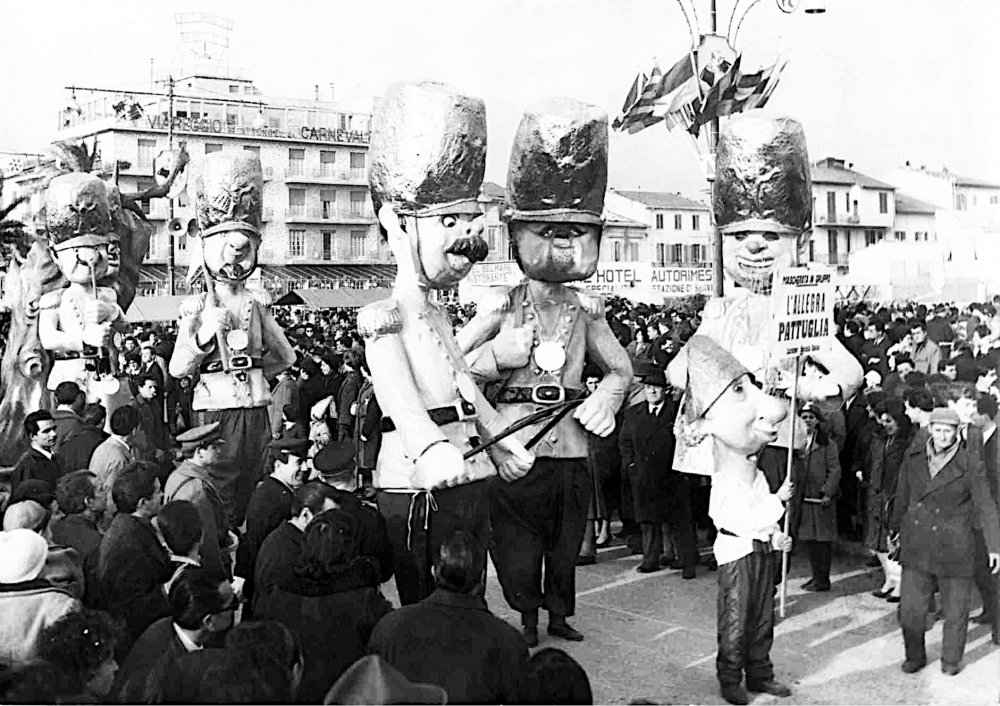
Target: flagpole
788 476
713 140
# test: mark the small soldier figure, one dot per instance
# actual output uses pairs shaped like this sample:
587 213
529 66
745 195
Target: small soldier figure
76 321
228 336
428 156
533 346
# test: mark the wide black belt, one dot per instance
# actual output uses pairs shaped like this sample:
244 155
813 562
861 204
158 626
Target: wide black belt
236 362
440 415
759 547
87 353
539 394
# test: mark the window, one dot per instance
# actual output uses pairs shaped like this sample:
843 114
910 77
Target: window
328 202
678 218
695 222
847 202
358 202
677 253
143 185
358 238
900 236
959 202
296 243
618 251
297 202
632 252
661 254
659 221
831 206
211 147
358 160
252 148
296 161
696 253
883 202
327 245
182 241
831 246
994 200
327 159
871 237
234 89
147 153
491 237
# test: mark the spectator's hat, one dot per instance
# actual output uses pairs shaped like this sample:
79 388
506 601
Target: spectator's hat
372 680
26 514
22 555
812 409
283 448
940 415
710 370
654 377
335 458
199 437
33 489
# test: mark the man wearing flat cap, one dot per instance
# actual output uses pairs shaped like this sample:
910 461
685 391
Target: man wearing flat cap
942 490
661 495
335 463
271 503
193 481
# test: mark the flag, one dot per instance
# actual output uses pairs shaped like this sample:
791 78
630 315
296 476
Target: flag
640 109
737 91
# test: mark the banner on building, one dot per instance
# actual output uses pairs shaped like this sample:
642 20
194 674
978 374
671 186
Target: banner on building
494 274
804 298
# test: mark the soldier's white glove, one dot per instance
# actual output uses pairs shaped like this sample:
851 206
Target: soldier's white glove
512 347
214 320
596 414
97 335
512 460
440 466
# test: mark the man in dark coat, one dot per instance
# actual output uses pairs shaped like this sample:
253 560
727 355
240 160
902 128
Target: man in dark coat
661 494
856 419
39 461
78 449
451 638
279 552
942 485
875 351
69 405
271 504
132 563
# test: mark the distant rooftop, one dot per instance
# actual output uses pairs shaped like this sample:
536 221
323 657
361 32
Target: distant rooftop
958 179
908 204
833 171
617 220
662 199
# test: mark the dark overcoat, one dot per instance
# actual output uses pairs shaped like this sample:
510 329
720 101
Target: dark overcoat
934 516
647 451
817 474
885 456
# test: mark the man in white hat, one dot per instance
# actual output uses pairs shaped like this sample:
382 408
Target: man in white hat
28 604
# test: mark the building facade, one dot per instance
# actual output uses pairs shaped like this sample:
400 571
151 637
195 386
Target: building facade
319 228
657 227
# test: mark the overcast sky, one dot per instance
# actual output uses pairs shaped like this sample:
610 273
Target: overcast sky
876 82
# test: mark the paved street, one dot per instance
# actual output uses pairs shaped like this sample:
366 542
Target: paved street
652 637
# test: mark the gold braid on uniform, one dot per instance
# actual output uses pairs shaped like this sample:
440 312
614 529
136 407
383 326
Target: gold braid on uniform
380 319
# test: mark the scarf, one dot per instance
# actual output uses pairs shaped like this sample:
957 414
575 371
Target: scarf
937 461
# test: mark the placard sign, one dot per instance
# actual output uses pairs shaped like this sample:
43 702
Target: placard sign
803 310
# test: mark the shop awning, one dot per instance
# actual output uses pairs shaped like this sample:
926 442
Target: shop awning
333 298
149 309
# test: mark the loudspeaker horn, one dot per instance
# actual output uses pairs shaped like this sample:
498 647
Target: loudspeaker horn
175 226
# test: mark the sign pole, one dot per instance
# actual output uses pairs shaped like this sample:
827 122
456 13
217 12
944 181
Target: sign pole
788 475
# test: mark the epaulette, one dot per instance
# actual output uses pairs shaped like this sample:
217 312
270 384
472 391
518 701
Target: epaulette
107 294
50 300
262 297
494 302
591 303
379 319
192 306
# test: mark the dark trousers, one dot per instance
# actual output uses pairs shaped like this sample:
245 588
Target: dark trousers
915 593
820 558
538 523
681 529
418 523
746 617
986 583
247 433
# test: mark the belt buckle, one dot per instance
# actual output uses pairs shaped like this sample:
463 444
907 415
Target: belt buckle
240 362
90 353
214 366
548 393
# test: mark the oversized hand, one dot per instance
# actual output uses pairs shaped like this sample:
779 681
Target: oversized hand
97 335
440 466
512 347
786 490
512 460
98 312
596 415
214 320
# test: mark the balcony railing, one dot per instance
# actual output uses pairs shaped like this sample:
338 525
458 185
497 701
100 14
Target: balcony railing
331 213
327 174
823 258
839 219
